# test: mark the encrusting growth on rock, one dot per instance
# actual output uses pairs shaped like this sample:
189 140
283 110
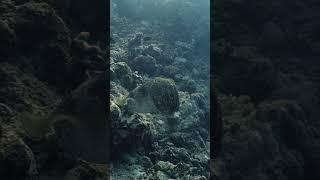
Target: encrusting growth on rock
159 93
165 95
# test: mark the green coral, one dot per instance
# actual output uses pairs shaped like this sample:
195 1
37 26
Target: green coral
164 94
159 94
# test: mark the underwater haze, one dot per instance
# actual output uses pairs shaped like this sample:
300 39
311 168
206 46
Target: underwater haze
159 65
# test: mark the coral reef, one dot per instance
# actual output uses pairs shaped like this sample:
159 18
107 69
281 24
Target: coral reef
85 170
266 74
160 128
165 95
17 159
146 64
50 60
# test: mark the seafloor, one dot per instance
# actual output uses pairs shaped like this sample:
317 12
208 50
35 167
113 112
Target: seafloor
52 88
266 58
146 143
266 69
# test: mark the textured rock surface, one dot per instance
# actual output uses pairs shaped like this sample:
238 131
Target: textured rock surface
49 62
263 59
17 159
162 130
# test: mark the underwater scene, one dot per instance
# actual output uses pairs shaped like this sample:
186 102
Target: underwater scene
267 77
53 84
160 89
244 106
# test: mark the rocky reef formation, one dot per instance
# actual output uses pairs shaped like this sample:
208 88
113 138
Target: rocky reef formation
159 98
267 76
52 70
159 94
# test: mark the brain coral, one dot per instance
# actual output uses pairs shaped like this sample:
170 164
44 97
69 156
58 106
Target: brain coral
164 95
